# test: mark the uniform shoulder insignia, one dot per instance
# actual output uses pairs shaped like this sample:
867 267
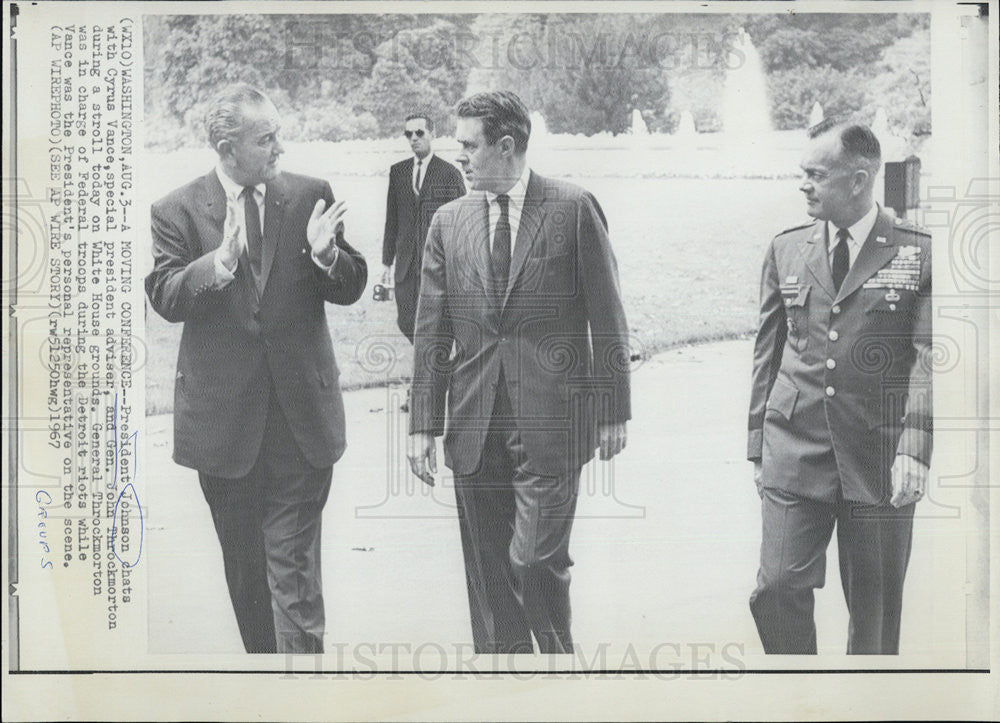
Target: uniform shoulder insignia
807 224
902 224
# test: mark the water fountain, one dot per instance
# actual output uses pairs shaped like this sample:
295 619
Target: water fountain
685 126
880 124
639 127
639 138
816 115
893 147
538 127
746 110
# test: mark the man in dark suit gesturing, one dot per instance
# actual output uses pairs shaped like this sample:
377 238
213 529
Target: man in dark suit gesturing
840 414
520 311
418 186
245 257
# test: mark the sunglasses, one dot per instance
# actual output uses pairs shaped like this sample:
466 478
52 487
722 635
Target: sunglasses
419 133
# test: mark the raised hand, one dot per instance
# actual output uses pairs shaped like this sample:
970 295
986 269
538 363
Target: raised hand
324 226
232 242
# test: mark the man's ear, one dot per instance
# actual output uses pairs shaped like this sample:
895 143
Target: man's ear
507 144
860 181
224 148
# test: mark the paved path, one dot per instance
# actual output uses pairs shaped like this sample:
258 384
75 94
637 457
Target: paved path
666 540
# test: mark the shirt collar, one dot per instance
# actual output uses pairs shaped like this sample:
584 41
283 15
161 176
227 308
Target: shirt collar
231 187
859 231
517 191
424 161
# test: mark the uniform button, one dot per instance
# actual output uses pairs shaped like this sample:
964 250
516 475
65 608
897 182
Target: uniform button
830 391
833 335
256 316
788 302
831 364
835 309
892 307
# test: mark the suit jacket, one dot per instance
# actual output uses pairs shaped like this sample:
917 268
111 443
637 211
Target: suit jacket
238 341
560 338
408 216
842 380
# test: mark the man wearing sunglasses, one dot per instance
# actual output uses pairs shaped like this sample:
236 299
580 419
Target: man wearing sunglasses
418 186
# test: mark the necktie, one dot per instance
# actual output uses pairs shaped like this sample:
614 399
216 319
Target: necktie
416 177
500 255
255 239
841 258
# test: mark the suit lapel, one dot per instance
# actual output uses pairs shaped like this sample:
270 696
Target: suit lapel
876 252
479 246
532 214
813 247
274 209
215 200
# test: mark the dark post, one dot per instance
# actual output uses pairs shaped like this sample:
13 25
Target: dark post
902 185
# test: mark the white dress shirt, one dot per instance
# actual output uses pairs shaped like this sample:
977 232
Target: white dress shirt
235 205
514 207
418 180
857 235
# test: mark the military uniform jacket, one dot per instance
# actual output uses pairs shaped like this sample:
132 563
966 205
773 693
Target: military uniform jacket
842 380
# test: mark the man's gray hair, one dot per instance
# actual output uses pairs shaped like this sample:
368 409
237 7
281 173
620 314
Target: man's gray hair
224 119
857 142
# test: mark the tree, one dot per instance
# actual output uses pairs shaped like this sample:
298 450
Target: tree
390 94
794 91
584 73
902 85
348 76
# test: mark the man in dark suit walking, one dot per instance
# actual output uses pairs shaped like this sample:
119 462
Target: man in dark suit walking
245 257
520 312
418 186
840 427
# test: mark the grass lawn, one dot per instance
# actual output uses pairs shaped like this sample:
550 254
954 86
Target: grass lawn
689 253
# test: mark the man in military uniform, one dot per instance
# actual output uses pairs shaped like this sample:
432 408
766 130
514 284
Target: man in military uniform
840 427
